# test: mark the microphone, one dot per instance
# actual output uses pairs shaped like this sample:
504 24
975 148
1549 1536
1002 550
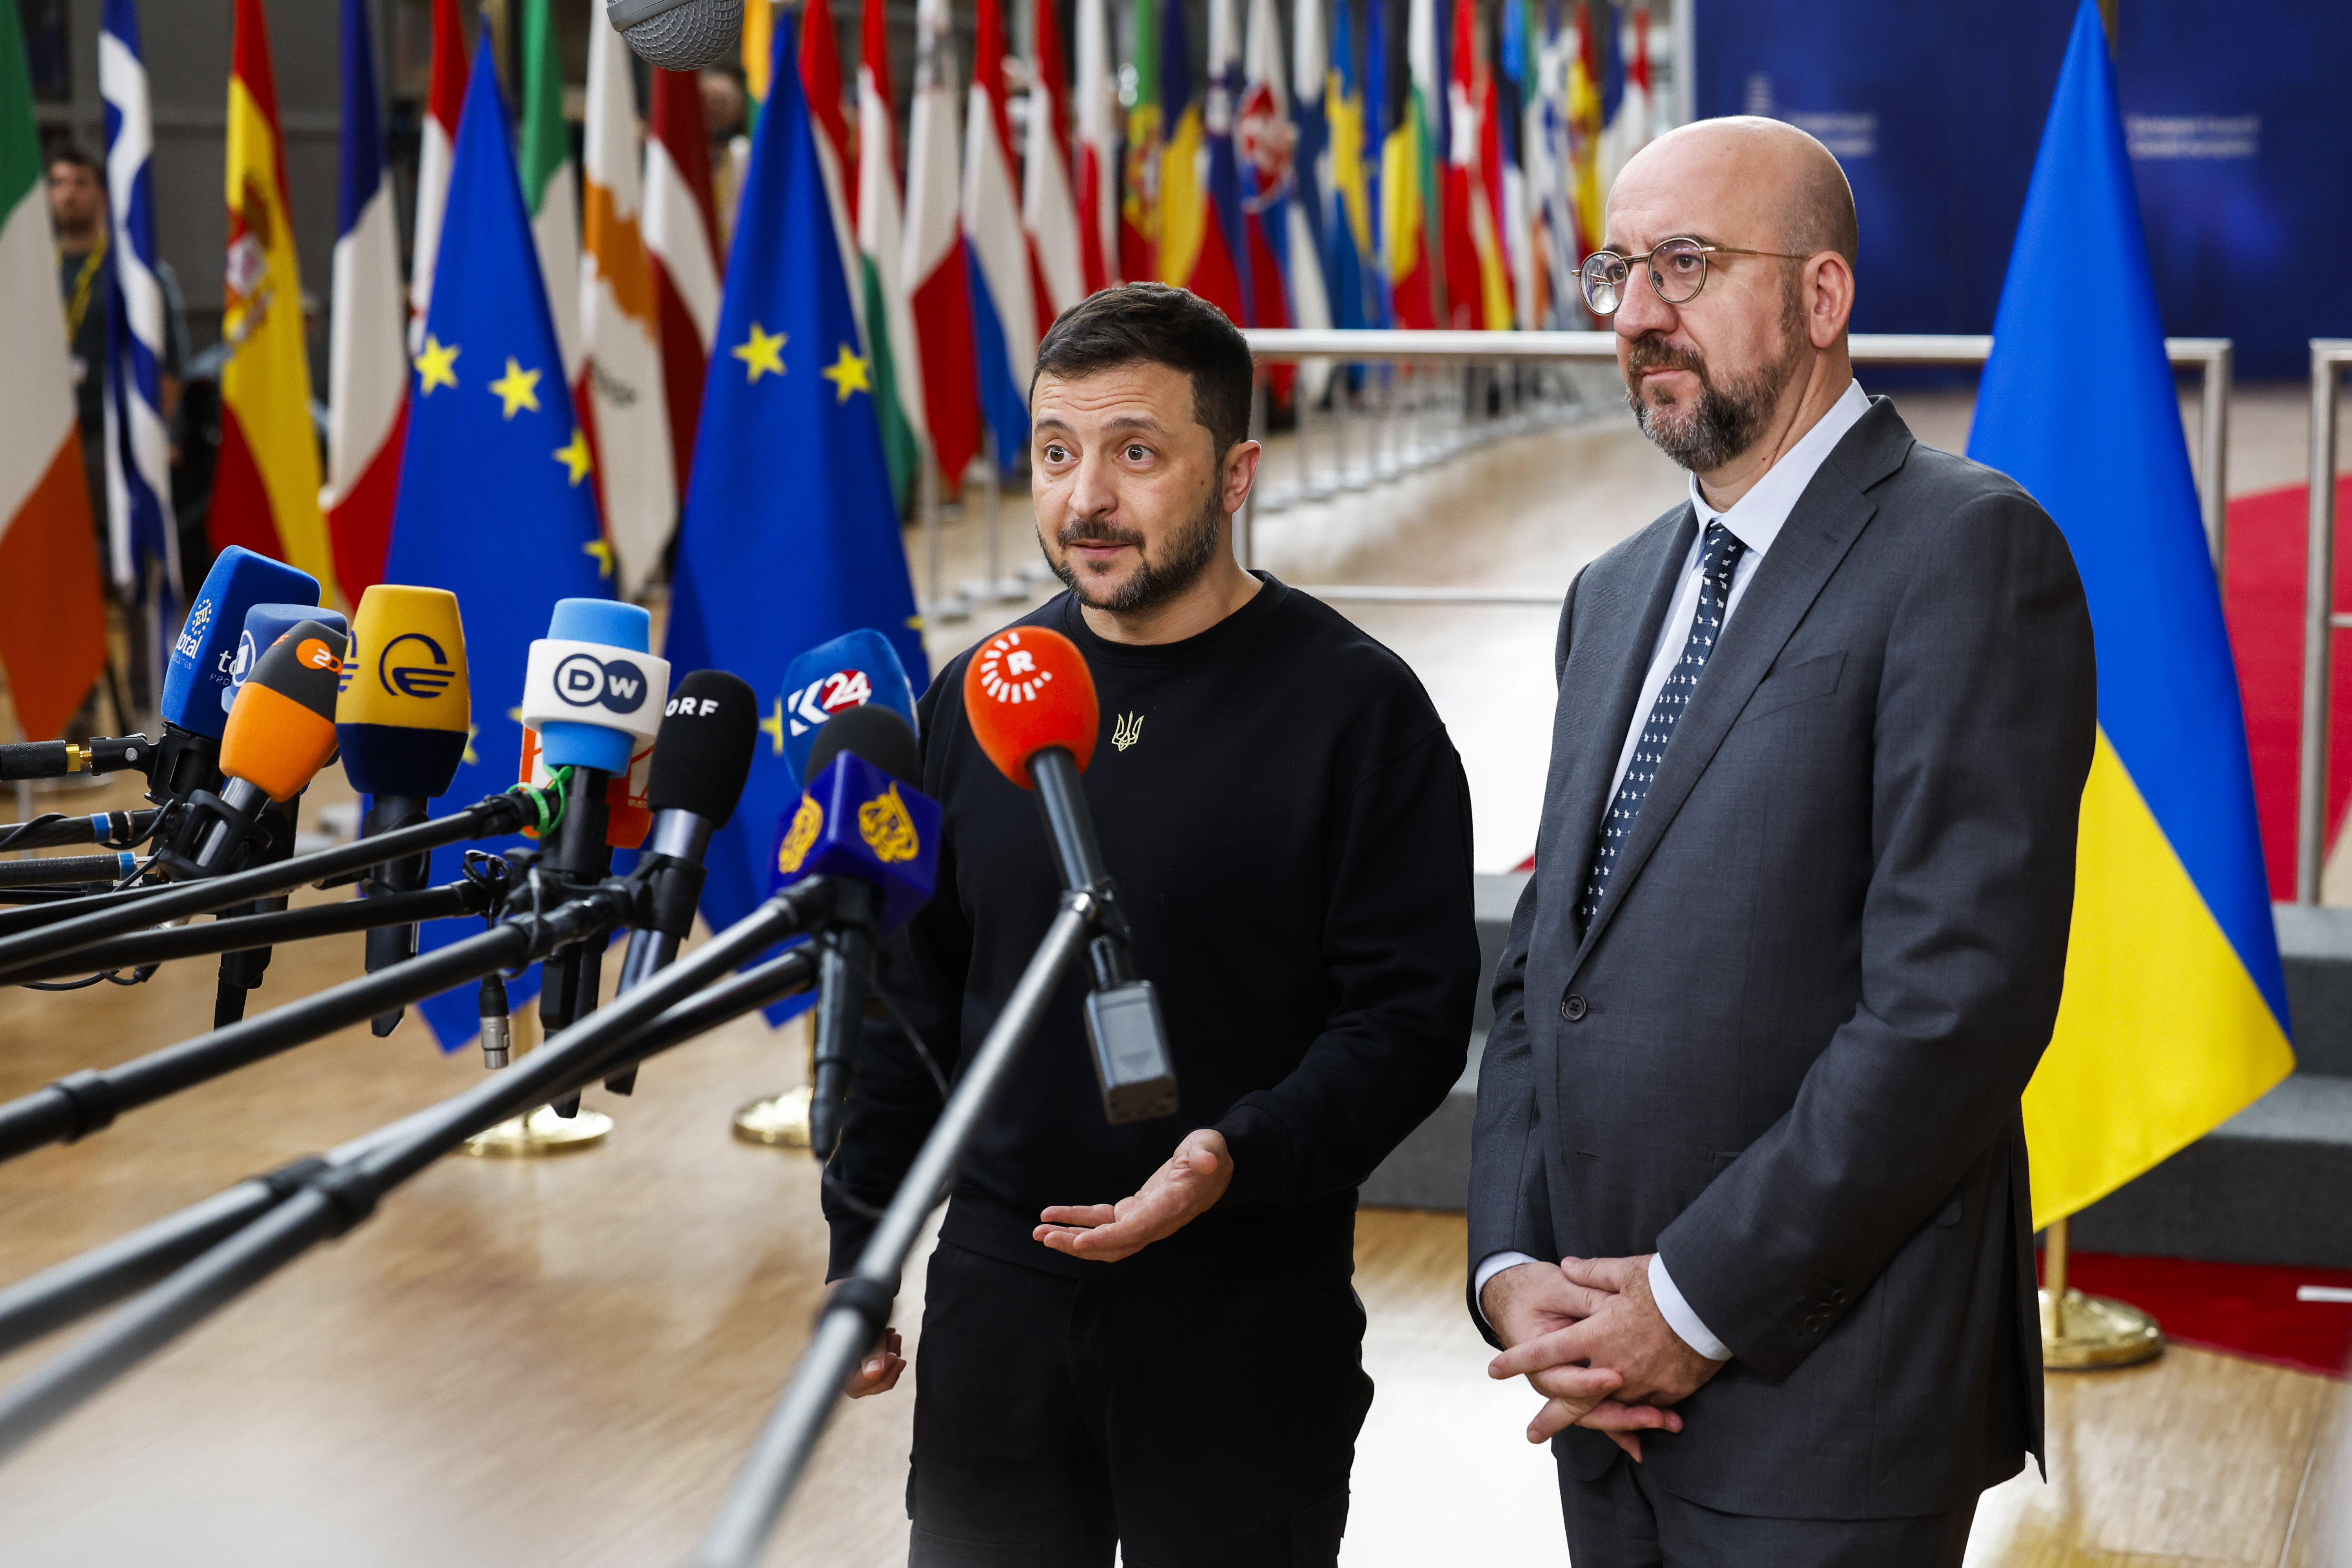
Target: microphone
187 758
702 758
1031 700
679 35
279 734
861 822
402 716
853 670
264 624
594 694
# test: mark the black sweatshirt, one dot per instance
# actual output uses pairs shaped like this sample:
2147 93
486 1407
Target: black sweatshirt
1288 827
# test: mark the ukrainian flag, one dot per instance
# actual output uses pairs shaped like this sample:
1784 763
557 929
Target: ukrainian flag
2175 1010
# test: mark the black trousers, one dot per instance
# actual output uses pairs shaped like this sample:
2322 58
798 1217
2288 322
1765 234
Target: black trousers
1624 1520
1057 1419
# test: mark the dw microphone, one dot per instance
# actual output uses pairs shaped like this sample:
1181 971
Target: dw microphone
679 35
402 716
702 758
1031 702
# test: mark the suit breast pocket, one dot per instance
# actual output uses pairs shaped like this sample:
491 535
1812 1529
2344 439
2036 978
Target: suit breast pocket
1797 683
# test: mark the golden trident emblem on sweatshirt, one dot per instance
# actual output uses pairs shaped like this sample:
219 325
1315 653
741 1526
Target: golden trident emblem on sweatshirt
1127 730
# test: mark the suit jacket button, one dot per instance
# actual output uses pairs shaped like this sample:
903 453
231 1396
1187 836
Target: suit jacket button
1816 1323
1573 1008
1838 1297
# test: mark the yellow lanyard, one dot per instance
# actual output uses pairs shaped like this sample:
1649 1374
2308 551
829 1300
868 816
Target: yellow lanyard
84 280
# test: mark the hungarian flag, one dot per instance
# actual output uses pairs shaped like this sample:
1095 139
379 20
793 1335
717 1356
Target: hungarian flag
1097 160
549 186
620 332
1049 207
367 370
1003 289
682 243
52 608
442 99
1138 208
266 492
880 276
932 264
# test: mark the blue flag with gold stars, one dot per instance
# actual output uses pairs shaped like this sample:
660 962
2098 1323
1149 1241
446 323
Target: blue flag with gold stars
495 500
790 537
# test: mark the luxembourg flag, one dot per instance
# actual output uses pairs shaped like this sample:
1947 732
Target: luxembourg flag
1003 297
444 99
367 372
1049 213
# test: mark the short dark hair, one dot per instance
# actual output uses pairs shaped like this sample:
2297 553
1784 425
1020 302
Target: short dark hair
1154 323
68 153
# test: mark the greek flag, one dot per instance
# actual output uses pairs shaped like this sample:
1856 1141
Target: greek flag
138 462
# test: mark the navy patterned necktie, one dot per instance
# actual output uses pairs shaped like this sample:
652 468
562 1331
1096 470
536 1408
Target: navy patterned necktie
1717 561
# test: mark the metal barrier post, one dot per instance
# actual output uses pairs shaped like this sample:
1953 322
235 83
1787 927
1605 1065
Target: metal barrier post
2328 358
2213 447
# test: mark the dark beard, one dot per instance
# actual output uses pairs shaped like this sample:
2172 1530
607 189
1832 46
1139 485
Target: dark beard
1191 549
1726 420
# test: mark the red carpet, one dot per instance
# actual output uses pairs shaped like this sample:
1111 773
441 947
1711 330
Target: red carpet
2241 1309
2264 606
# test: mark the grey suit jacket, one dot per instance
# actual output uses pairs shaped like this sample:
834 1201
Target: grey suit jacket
1787 1053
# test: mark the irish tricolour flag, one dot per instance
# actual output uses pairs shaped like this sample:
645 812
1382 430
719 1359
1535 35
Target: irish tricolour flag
52 617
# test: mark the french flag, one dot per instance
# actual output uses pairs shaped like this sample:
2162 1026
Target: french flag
996 248
367 367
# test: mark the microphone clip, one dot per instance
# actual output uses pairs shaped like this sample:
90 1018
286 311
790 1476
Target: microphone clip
204 815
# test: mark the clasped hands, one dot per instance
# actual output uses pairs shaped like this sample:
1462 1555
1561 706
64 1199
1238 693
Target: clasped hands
1589 1337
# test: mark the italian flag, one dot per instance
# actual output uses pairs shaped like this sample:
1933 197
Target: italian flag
881 242
52 614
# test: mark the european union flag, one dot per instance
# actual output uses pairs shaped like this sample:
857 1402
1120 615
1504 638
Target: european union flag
790 536
495 503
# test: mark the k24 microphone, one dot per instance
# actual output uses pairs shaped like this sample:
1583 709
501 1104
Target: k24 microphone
702 757
1031 702
679 35
402 716
279 734
853 670
863 822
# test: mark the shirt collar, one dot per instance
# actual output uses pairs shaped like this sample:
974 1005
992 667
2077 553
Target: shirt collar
1756 517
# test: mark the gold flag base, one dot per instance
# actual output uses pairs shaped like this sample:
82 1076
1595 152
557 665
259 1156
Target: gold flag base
541 1133
2087 1333
780 1123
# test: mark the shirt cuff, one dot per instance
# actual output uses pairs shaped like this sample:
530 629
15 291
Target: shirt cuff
1678 1314
1494 1263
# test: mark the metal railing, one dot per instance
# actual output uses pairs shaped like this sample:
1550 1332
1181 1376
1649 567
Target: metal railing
2321 620
2211 356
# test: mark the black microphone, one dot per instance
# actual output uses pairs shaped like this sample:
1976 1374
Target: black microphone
880 737
702 758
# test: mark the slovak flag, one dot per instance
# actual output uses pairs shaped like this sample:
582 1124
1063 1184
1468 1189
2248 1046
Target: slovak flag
996 248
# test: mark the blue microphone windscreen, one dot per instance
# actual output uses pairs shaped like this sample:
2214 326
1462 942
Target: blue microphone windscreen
852 670
264 624
198 672
607 621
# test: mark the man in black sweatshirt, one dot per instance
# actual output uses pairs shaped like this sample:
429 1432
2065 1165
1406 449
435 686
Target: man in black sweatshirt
1144 1335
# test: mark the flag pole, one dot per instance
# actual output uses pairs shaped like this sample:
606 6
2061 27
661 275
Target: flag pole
2087 1333
941 606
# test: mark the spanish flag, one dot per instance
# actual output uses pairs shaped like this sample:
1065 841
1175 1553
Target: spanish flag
2175 1016
52 616
266 496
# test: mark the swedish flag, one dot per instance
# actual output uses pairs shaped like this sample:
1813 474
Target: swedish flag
495 500
790 537
2175 1010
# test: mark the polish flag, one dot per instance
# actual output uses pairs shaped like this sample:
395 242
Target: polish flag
367 370
1048 211
681 234
1003 292
442 99
933 266
1097 162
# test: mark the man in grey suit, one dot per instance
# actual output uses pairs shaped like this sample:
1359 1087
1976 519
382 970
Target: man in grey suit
1749 1197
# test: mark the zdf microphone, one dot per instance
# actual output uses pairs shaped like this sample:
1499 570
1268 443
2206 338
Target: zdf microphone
403 714
853 670
679 35
1031 702
279 734
702 758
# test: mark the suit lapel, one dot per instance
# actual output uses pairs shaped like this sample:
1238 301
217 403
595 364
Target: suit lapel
1609 641
1821 528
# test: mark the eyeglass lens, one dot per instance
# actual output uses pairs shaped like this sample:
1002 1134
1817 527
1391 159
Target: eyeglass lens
1677 270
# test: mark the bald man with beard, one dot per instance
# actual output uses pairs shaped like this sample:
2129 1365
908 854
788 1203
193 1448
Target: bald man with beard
1749 1203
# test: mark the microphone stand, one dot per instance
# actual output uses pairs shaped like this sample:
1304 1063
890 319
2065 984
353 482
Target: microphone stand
856 1314
328 1199
73 1289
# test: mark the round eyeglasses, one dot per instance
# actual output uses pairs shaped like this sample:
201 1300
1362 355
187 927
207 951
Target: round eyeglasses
1677 270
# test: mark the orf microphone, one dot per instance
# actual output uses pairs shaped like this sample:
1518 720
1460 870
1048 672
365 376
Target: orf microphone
402 717
679 35
702 758
861 821
1031 702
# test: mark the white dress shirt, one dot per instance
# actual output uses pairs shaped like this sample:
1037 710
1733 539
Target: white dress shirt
1755 520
